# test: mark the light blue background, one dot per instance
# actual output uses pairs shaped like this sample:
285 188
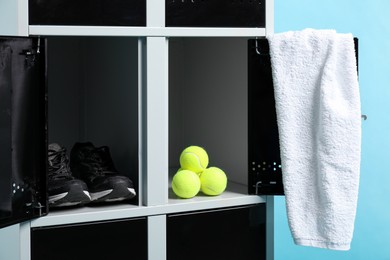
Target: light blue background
370 22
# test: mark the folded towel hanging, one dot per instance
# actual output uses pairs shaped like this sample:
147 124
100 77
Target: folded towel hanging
319 120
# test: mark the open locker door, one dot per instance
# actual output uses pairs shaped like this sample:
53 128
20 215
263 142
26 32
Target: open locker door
23 129
264 162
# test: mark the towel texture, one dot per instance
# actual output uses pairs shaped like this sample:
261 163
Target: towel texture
319 119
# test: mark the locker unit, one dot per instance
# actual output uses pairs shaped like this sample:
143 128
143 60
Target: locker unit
125 74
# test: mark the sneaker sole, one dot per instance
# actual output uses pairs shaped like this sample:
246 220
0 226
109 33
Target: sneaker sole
75 196
119 192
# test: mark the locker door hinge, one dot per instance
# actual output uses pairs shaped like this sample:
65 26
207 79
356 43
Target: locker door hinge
35 208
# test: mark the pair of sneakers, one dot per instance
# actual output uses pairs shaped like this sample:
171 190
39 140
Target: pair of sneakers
89 176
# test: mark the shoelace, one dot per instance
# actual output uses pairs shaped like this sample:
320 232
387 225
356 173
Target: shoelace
99 160
59 164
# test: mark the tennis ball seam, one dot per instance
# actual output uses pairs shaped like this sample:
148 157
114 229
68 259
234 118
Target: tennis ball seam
196 156
213 190
218 180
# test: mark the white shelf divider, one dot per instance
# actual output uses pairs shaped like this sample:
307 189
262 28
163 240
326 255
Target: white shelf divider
144 31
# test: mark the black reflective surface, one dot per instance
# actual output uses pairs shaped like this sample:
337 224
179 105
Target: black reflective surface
120 239
228 234
264 162
215 13
88 12
5 131
23 129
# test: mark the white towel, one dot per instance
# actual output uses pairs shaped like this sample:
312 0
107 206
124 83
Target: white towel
319 119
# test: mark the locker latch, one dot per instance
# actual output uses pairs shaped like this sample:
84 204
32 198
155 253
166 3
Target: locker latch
31 55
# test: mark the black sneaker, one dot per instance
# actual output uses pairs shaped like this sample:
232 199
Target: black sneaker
95 166
63 188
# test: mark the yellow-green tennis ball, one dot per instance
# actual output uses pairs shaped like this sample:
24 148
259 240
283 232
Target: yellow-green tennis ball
213 181
194 158
186 184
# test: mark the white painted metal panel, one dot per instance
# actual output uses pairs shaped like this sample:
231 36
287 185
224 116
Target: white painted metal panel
14 17
145 31
157 234
156 127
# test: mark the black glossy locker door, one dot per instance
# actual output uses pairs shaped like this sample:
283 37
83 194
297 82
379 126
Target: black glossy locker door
215 13
22 129
226 234
88 12
264 164
117 239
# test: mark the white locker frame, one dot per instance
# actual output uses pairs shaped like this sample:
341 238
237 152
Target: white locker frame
153 61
